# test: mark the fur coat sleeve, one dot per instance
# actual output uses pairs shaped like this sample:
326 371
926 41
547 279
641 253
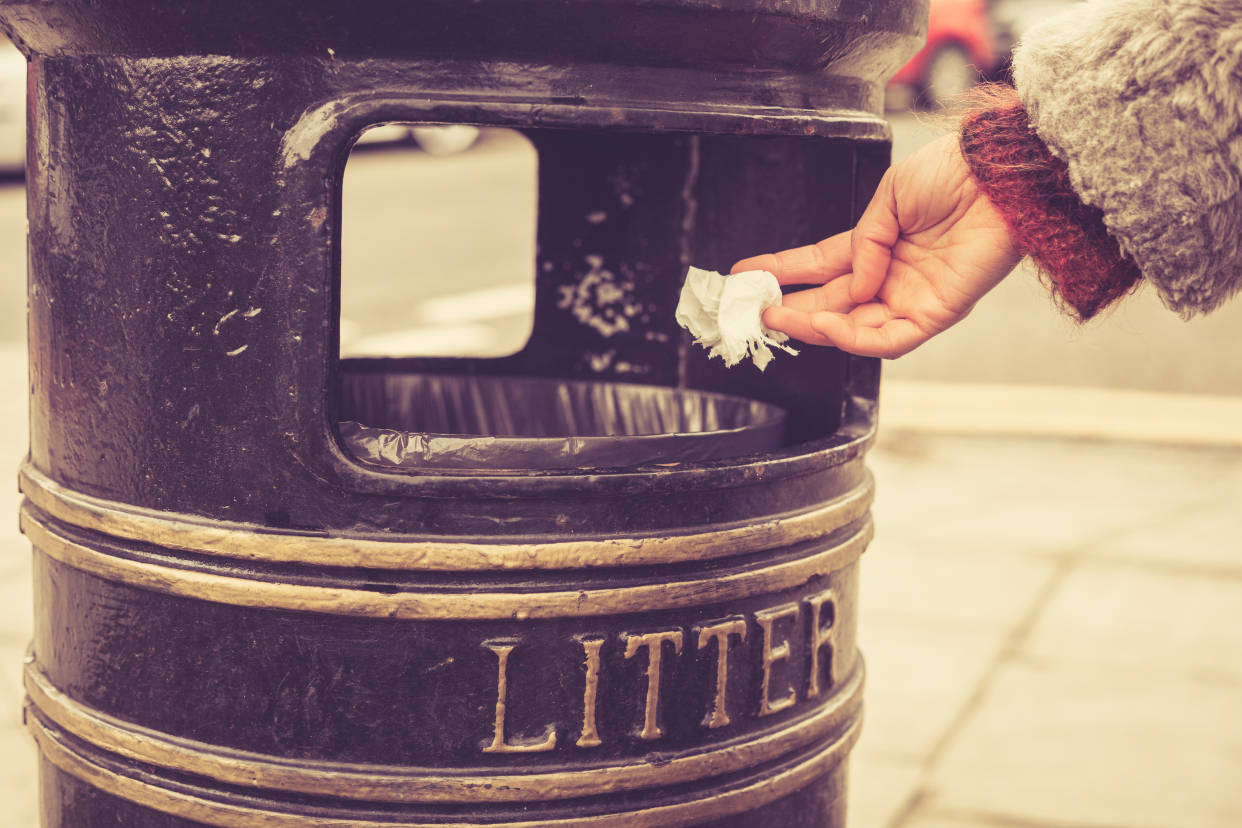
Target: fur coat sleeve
1141 102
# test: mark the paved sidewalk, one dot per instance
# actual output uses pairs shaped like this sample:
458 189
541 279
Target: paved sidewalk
1053 631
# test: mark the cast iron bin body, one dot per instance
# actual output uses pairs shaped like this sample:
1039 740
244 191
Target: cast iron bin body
239 624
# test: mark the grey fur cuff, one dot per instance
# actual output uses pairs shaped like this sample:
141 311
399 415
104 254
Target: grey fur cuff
1142 99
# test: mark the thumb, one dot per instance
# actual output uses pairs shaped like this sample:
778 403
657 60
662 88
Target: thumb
872 241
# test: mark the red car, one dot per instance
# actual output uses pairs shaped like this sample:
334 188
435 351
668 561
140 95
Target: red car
961 48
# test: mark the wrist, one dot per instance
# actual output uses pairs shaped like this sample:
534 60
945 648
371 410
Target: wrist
1030 189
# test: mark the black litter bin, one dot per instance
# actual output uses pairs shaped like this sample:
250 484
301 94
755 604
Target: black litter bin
265 593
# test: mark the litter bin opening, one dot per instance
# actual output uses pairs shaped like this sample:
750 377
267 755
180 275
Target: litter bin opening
440 421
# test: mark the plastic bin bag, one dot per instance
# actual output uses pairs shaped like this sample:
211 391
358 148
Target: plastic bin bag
436 421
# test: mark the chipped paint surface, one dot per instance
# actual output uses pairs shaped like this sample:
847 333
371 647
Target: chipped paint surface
607 361
690 211
601 299
623 188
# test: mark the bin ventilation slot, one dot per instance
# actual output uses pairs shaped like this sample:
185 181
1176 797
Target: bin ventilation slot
417 421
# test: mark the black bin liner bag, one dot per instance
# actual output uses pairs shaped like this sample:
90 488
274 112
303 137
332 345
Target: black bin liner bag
439 421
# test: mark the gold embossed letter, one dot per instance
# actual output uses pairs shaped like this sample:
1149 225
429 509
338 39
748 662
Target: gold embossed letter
767 618
590 736
822 637
502 647
654 642
721 631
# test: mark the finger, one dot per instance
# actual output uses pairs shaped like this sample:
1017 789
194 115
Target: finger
872 241
870 315
889 341
795 323
834 296
812 264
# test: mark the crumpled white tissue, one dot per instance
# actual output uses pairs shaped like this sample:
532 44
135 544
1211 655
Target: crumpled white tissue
725 314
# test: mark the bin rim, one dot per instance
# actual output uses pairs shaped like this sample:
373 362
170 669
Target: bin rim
848 443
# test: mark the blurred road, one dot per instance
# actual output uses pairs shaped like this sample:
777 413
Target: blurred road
438 252
12 262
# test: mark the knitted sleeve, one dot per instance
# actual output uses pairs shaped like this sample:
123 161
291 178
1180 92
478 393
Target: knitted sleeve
1065 238
1140 102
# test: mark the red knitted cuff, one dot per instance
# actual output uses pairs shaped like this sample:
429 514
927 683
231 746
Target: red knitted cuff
1030 188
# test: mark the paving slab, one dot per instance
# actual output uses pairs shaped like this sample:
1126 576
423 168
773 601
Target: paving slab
942 820
1068 744
1204 536
919 679
1160 621
880 788
1038 495
18 785
1114 702
962 584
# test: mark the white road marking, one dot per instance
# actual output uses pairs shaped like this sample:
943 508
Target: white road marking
477 305
432 340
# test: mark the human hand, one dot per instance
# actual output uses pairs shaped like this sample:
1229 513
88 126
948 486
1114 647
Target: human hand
928 246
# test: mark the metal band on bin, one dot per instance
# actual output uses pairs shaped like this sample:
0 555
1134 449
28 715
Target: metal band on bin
57 750
455 604
393 784
250 542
